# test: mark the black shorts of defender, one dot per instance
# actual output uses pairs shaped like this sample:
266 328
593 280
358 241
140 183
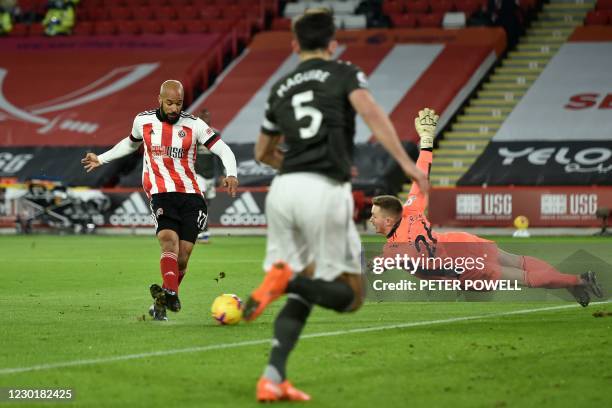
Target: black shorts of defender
186 214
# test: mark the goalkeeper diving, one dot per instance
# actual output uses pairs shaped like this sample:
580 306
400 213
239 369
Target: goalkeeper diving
408 230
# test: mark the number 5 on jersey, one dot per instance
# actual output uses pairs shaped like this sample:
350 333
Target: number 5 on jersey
302 111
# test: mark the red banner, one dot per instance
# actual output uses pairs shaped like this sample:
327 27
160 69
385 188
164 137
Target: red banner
498 206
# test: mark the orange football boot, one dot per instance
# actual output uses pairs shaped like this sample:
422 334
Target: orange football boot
268 391
272 287
291 393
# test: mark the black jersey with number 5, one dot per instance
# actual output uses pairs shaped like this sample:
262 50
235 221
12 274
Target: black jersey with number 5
310 107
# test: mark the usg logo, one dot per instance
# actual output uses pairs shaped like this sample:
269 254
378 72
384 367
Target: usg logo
243 211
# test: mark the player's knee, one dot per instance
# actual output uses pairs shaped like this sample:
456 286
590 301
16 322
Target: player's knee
168 240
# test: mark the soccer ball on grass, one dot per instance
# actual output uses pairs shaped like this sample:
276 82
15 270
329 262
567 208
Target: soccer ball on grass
227 309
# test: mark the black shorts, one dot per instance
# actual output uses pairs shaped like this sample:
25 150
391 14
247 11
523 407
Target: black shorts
186 214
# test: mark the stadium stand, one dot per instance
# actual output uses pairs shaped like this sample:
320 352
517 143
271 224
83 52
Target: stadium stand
463 142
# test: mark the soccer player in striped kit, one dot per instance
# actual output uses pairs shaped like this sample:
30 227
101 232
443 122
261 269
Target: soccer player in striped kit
170 138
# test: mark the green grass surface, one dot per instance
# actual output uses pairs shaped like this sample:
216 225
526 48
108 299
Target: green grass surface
70 299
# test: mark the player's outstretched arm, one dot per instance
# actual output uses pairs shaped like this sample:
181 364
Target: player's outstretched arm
384 131
123 148
228 159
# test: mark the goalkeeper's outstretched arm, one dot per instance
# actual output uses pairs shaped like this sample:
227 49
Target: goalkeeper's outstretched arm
425 125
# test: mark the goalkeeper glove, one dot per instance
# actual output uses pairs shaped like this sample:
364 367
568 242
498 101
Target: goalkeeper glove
425 125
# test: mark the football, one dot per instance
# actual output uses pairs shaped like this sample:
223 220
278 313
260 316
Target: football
227 309
521 222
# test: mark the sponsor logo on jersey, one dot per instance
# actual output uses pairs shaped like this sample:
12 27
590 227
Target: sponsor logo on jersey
168 151
133 212
243 211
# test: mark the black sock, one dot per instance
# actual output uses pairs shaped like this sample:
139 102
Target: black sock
335 295
287 328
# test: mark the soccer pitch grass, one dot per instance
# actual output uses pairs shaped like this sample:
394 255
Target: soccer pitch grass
72 311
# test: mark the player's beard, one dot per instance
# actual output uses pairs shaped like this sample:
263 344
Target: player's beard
171 119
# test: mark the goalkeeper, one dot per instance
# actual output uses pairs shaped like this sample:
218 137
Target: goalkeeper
408 224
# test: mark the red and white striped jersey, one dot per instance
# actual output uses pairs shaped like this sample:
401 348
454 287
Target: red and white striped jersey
170 151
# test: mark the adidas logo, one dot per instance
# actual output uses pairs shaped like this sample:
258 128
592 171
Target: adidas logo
133 211
243 211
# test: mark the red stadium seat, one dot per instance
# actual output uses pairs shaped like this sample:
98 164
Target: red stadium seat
604 5
20 30
165 13
404 20
142 13
36 30
417 7
120 13
596 17
136 3
98 14
235 12
441 6
82 14
152 27
211 12
220 26
128 27
114 3
469 7
281 24
189 13
195 26
84 28
174 27
432 20
393 7
105 28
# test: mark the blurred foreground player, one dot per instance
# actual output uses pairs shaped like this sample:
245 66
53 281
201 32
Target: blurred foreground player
408 224
313 248
170 139
206 173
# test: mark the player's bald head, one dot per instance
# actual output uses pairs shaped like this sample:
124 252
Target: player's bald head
171 100
171 89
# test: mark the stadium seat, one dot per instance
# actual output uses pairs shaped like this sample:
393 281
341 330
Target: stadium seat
235 12
154 4
604 5
441 6
142 13
84 28
220 26
432 20
596 17
417 7
98 14
36 30
195 26
120 13
404 20
174 27
390 8
105 28
469 7
281 24
211 12
82 14
454 19
188 13
343 7
152 27
165 13
128 27
114 3
20 30
354 22
294 9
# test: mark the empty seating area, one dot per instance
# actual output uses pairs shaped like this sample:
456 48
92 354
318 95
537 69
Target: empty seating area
119 17
431 13
601 16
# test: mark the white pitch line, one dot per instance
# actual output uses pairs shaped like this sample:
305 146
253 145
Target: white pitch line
75 363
